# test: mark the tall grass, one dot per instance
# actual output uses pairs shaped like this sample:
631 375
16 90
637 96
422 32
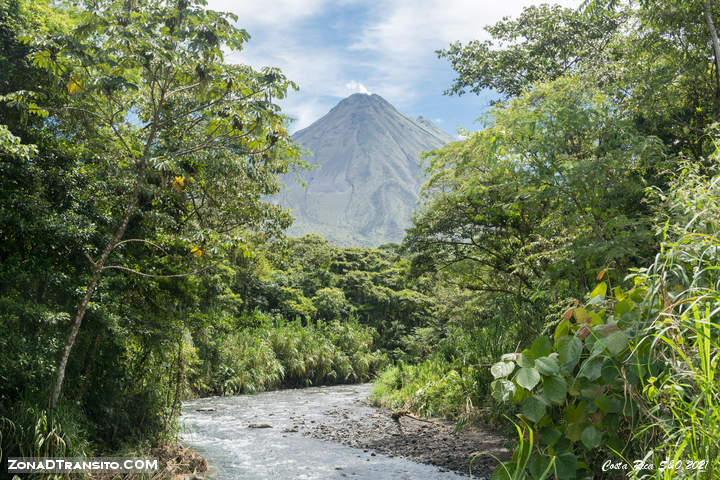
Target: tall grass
684 397
31 432
452 382
279 353
522 459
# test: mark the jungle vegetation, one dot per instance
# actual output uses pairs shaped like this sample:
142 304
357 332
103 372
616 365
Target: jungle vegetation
580 228
560 273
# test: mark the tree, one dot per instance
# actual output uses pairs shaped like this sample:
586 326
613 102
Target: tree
331 304
531 207
656 57
542 44
184 145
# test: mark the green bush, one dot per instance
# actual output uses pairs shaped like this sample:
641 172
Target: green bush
451 381
431 388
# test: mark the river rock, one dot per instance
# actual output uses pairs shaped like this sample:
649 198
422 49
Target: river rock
205 409
259 425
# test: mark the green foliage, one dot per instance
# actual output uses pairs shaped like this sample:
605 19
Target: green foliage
11 145
432 388
521 215
126 138
562 192
655 56
28 432
277 354
550 191
134 168
545 42
314 280
331 303
448 382
637 370
515 469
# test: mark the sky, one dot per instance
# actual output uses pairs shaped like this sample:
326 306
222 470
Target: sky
333 49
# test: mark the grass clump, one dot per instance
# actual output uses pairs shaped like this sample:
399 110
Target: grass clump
450 382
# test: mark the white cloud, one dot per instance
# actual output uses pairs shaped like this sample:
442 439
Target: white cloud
388 45
356 87
316 72
414 27
406 34
269 12
305 111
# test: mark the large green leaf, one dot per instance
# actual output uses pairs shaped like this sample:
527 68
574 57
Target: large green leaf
573 430
549 435
574 413
600 290
616 342
608 404
591 437
591 368
548 365
502 369
595 319
502 390
541 347
570 348
622 307
609 372
538 464
566 465
580 315
555 389
504 471
533 408
525 359
527 378
561 330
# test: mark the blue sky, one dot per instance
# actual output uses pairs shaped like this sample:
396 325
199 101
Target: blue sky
333 49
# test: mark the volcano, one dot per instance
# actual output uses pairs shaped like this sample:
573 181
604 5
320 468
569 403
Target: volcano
369 177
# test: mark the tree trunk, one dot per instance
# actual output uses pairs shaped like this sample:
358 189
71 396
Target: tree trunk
713 34
97 271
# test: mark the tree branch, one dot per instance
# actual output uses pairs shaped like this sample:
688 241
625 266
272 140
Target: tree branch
713 34
142 241
152 275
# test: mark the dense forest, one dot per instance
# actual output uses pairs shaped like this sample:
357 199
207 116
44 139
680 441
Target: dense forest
560 280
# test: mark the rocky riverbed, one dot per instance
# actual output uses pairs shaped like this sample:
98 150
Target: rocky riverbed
433 442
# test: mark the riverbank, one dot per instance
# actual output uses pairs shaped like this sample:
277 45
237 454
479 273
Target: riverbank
431 441
176 462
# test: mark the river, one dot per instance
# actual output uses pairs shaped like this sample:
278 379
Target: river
219 429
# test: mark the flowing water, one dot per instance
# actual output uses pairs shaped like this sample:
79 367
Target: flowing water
236 451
